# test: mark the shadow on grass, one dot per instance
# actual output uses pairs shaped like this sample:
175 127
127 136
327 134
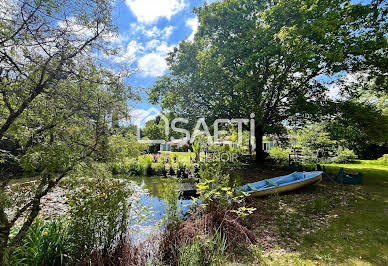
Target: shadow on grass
328 223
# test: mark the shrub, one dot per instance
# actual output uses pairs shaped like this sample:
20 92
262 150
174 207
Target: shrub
343 155
181 171
171 170
383 160
215 191
219 208
279 155
46 243
99 216
146 159
136 169
158 169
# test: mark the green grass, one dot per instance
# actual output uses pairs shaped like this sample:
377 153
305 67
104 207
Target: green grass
183 157
360 234
327 223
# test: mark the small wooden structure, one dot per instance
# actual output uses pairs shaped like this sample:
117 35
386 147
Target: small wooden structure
295 156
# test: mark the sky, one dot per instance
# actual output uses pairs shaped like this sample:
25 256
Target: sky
148 31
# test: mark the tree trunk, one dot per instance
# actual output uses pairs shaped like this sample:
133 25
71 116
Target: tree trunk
4 234
250 146
259 133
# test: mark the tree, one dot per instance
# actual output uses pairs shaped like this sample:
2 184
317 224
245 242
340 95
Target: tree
359 126
154 130
316 142
55 101
266 58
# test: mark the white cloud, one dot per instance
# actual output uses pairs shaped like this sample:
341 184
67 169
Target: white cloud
152 44
167 31
130 53
143 116
192 23
164 49
83 32
153 65
149 11
152 32
161 47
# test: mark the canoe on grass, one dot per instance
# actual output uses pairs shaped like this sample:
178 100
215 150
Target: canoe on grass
282 184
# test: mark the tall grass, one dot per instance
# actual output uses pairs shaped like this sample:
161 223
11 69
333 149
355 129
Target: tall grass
208 251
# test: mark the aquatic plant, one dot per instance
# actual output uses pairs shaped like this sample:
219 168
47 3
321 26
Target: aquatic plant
46 243
99 216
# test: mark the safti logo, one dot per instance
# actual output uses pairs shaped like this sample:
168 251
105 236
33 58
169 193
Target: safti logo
201 128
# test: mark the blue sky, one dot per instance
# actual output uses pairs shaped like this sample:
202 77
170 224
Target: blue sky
148 30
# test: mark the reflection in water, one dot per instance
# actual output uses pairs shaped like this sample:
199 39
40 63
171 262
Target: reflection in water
156 195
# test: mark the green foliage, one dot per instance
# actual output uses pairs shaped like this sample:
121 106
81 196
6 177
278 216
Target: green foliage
99 216
136 169
121 153
46 243
214 189
173 210
214 186
203 251
53 158
359 126
383 160
316 143
157 169
121 149
279 155
265 57
343 155
146 159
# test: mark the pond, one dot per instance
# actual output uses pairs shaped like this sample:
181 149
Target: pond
154 197
157 193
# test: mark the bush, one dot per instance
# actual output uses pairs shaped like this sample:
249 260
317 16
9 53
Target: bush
383 160
158 169
344 155
219 210
46 243
136 169
279 155
146 159
181 171
99 216
214 189
171 170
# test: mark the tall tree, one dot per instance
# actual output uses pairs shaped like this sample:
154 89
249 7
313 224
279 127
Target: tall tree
361 127
55 102
267 58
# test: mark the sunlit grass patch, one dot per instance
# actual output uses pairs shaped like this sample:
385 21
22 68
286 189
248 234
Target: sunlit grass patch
326 223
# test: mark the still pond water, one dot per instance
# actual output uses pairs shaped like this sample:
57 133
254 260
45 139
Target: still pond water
156 194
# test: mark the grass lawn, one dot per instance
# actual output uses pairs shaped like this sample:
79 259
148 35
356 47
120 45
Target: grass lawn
325 223
181 156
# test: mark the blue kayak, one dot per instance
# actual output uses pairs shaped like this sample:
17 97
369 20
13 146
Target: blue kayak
282 183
